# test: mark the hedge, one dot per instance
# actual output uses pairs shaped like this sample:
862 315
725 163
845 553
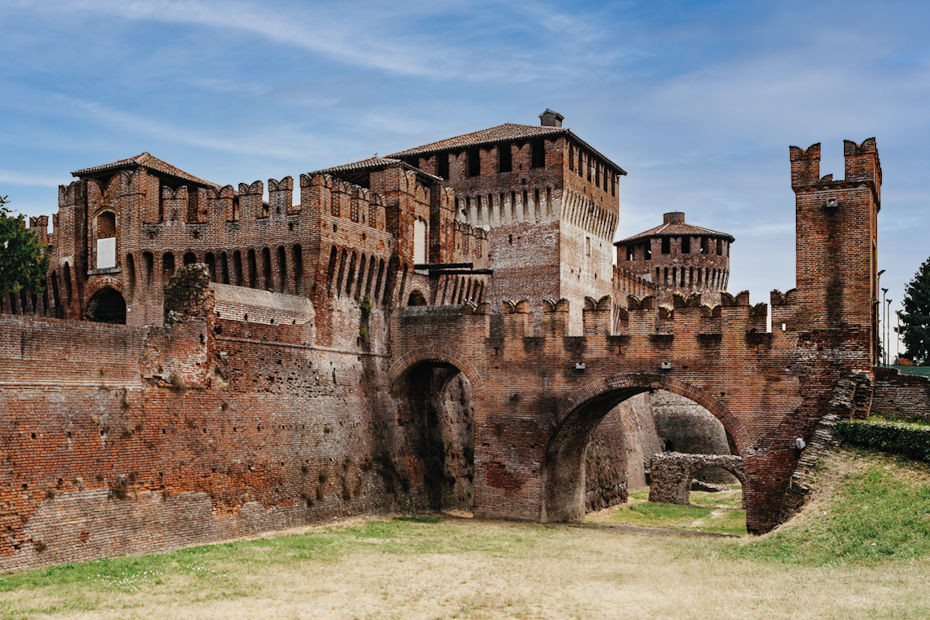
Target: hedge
904 438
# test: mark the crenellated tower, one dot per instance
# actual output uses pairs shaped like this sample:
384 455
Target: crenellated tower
837 245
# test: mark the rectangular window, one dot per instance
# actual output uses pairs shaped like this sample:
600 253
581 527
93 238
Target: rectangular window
613 185
504 158
686 245
597 175
538 152
474 161
420 233
630 256
647 251
666 245
719 247
704 245
571 157
580 163
442 165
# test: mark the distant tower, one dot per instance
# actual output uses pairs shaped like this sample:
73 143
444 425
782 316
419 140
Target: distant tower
679 257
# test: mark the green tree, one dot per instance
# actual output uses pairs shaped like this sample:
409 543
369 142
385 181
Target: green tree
915 317
23 262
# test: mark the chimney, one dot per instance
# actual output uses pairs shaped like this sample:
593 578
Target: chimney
675 217
551 118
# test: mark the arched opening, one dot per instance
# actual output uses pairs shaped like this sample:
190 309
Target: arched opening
106 306
131 274
600 446
106 240
416 299
167 265
190 258
435 404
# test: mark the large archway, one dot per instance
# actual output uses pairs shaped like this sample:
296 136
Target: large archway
565 466
435 404
106 306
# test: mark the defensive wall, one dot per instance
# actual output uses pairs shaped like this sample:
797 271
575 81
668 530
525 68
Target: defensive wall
130 438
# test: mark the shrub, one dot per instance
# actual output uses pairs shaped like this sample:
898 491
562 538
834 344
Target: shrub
904 438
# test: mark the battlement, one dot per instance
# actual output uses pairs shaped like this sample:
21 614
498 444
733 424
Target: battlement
862 165
687 317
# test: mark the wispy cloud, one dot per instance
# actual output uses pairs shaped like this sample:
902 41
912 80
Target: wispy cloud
12 177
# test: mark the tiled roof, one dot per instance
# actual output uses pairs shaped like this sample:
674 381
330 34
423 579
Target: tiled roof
507 131
676 230
144 160
372 163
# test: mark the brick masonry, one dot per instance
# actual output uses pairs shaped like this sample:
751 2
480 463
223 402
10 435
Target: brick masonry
144 436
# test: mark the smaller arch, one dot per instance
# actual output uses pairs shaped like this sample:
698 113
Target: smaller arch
167 265
131 274
252 268
416 298
190 258
106 306
297 261
267 281
282 270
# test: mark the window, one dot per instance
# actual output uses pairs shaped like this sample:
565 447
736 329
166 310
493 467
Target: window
666 245
504 158
474 161
597 174
538 153
647 251
719 247
571 157
106 240
420 232
704 245
442 165
587 246
686 245
630 254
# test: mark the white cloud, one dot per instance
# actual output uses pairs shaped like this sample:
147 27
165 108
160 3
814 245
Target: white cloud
12 177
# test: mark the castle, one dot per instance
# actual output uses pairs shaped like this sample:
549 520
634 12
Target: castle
442 327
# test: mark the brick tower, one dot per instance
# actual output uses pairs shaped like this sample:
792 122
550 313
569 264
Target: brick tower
837 241
548 199
678 257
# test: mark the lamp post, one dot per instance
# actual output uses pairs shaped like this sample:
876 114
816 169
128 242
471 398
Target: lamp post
876 310
897 337
884 325
888 330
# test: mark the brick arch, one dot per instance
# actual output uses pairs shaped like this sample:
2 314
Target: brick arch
651 382
406 362
582 411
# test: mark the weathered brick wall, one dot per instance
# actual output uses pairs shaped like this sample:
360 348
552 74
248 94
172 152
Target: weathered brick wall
900 396
116 441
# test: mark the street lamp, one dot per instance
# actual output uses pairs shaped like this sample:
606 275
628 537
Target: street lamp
897 338
876 310
885 323
887 329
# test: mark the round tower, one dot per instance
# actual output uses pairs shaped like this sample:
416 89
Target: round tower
679 257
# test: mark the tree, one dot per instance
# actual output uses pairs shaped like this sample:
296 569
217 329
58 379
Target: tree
915 317
23 262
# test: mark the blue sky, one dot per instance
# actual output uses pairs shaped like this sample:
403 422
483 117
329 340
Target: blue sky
698 101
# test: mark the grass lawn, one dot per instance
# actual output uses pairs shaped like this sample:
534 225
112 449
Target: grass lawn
862 549
709 512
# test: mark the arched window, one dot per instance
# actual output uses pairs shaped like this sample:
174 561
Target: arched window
420 241
148 261
416 299
253 269
167 265
106 240
131 273
298 265
282 269
190 258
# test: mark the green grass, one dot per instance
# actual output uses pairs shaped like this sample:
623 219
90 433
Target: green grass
201 566
880 514
709 512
